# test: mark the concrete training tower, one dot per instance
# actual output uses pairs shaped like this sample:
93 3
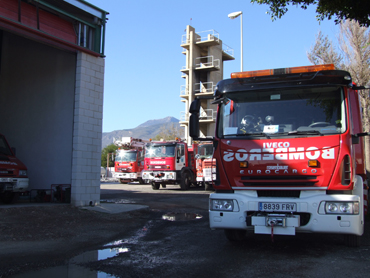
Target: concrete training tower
205 54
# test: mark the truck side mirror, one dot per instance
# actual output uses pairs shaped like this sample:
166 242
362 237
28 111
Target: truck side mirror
194 119
356 137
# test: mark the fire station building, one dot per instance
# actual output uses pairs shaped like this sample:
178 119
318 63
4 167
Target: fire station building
51 92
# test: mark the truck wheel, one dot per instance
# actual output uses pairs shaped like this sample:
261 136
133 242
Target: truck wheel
235 235
208 186
155 185
185 181
141 181
8 197
352 240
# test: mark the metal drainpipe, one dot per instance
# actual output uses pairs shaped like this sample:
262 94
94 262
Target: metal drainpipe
103 39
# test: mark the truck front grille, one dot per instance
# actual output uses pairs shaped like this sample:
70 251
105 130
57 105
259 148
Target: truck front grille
158 167
285 181
6 172
279 193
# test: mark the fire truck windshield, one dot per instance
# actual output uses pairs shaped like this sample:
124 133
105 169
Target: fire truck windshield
4 147
205 151
284 112
125 156
156 150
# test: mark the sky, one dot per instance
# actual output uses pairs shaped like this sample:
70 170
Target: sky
144 57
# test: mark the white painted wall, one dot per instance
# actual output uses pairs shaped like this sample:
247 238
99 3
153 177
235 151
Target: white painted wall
37 85
51 106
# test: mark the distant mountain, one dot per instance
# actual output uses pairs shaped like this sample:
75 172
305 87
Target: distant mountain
160 121
145 131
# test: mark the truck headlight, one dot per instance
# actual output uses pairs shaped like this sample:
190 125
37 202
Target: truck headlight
342 208
222 205
23 172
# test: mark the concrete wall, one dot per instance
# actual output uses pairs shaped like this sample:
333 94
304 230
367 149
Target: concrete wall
87 133
37 84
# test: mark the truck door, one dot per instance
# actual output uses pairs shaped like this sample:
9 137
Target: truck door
180 157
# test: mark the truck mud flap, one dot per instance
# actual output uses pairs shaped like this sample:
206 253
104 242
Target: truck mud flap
278 224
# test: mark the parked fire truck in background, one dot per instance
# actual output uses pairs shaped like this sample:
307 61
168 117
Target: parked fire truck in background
129 160
13 173
205 165
169 162
289 152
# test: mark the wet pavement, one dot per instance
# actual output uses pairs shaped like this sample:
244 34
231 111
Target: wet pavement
176 242
118 207
75 269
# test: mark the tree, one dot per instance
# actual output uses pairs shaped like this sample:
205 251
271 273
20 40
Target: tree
170 132
110 149
358 10
323 52
354 46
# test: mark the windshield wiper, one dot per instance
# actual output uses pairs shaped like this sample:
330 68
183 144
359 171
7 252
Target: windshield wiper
304 132
254 134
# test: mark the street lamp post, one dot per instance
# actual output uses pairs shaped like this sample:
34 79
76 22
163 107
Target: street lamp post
232 16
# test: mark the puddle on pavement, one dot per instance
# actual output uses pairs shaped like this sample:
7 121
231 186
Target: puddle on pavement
66 271
73 270
175 216
118 201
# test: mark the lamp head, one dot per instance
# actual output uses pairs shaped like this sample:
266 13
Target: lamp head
234 15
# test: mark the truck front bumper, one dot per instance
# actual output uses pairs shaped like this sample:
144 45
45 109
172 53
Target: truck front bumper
199 179
125 176
159 176
309 216
14 184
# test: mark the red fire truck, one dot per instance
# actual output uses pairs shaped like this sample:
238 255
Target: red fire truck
205 165
129 160
13 173
169 162
289 152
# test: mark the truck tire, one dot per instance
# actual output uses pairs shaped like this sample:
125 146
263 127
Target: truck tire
185 180
8 197
235 235
141 181
352 240
155 185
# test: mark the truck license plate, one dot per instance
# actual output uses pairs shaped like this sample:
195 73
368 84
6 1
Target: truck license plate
267 206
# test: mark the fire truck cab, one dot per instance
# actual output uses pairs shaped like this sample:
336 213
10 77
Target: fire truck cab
169 162
129 159
205 165
289 152
13 173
